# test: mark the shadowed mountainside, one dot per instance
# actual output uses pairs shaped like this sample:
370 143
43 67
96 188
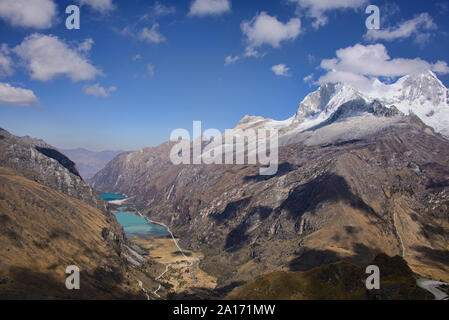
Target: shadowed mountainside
340 280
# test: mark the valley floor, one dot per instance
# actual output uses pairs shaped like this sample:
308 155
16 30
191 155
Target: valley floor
182 271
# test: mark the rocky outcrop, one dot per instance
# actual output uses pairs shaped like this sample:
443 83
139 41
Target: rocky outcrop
42 163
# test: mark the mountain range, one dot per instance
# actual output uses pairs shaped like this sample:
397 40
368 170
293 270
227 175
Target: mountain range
363 179
90 162
361 173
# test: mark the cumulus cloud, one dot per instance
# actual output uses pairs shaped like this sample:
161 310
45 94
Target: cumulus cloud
360 66
440 67
318 9
137 57
6 63
98 91
151 35
151 70
39 14
417 27
99 5
281 70
209 7
48 57
230 60
15 96
264 29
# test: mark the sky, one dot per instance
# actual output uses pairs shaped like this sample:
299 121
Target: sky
135 70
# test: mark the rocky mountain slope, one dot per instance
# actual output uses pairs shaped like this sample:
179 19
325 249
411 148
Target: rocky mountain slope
50 219
340 280
44 164
357 177
89 162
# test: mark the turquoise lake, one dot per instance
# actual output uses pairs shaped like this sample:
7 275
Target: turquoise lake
111 196
133 224
139 226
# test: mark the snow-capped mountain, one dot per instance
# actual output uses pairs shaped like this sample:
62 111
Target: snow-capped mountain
422 94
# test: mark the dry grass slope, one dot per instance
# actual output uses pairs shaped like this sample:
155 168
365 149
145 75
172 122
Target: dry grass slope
43 231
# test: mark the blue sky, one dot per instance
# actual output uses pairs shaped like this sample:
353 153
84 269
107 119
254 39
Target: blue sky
138 69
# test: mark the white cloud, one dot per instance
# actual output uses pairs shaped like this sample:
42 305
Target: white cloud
440 67
6 68
373 60
6 64
264 29
152 35
309 78
317 9
209 7
151 70
38 14
281 70
160 10
47 57
137 57
230 60
86 45
98 91
414 27
99 5
14 96
360 66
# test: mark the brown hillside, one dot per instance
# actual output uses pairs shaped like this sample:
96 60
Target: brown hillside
43 231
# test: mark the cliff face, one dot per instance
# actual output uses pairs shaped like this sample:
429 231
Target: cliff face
44 164
348 199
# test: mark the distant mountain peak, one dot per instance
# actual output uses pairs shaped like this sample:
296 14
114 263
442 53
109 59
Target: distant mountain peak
422 94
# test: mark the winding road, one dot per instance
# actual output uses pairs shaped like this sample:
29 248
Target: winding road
432 287
167 267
